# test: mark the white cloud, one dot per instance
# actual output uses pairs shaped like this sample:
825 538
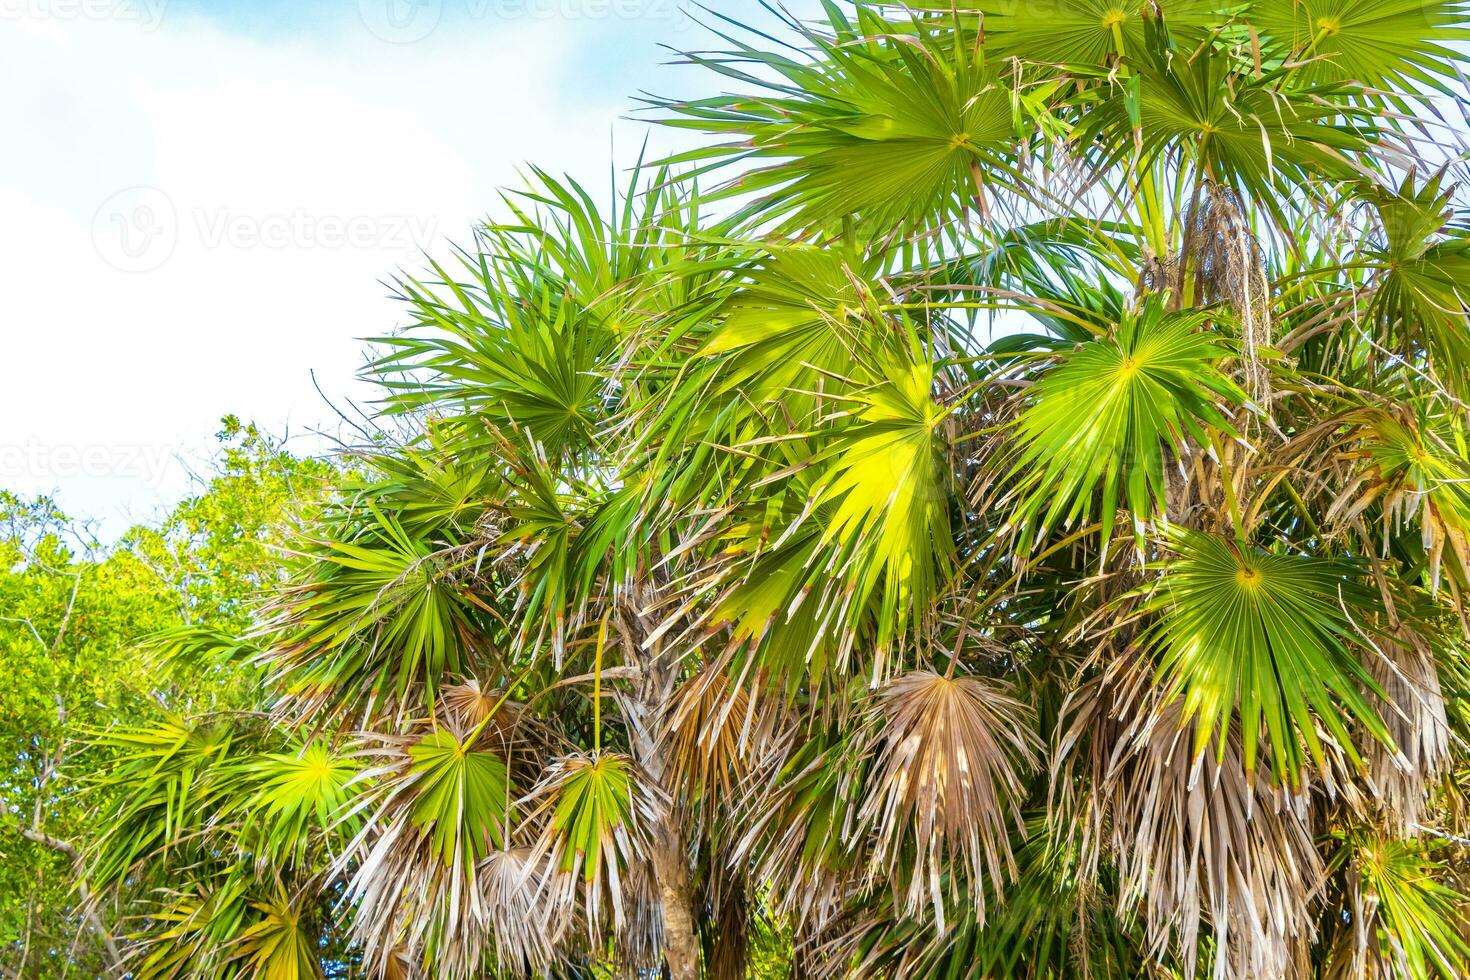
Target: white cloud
194 220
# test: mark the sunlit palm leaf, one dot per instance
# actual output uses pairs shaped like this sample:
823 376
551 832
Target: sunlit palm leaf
276 947
1400 921
1079 32
1374 42
172 773
440 806
1270 639
1239 129
1420 302
301 796
380 608
1112 415
896 134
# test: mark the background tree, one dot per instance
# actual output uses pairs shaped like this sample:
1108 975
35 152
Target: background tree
73 612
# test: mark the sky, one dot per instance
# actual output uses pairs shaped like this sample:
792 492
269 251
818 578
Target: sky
201 202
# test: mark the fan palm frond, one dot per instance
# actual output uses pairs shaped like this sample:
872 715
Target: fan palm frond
903 133
1268 639
1152 389
1400 921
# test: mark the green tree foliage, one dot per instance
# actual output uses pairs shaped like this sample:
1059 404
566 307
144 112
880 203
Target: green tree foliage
73 613
740 604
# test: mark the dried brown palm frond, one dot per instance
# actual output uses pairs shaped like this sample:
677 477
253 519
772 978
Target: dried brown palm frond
502 724
947 786
1195 842
531 931
412 909
1402 777
468 704
718 731
796 829
410 906
451 924
1227 264
399 967
1380 458
638 940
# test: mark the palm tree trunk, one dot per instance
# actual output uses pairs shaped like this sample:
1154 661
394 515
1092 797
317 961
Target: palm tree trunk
643 710
671 868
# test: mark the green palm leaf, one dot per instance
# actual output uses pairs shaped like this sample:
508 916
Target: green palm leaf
1268 639
172 775
864 519
1111 415
459 796
379 609
1239 128
278 946
300 797
1406 922
1080 32
1373 42
1420 301
601 814
899 134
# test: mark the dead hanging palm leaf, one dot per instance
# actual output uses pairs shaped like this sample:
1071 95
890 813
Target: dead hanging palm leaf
468 704
947 787
1414 710
1196 843
399 966
501 722
1221 262
718 731
531 931
796 828
639 939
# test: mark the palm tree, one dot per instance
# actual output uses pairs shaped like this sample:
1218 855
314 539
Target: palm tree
998 507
